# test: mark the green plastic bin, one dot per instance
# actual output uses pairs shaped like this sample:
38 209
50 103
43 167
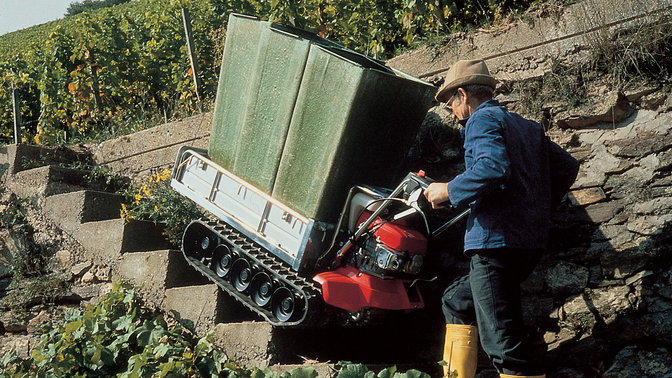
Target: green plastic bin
303 119
262 69
353 124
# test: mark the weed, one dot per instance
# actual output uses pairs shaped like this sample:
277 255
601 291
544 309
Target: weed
644 50
156 201
103 178
26 292
13 212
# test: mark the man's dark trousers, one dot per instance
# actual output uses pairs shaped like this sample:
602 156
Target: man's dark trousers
489 297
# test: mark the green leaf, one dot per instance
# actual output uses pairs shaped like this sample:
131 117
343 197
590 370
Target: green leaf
161 350
387 373
143 337
350 370
303 372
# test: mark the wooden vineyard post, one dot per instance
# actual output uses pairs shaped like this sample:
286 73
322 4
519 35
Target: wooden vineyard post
16 103
190 49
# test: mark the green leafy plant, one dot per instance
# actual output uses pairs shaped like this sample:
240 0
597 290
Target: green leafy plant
109 72
156 201
13 212
353 370
116 337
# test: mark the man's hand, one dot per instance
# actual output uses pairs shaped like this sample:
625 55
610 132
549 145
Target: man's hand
436 194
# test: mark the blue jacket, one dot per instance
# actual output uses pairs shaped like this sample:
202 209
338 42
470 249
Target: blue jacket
514 175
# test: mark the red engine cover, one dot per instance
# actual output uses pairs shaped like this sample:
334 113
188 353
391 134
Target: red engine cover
352 290
398 236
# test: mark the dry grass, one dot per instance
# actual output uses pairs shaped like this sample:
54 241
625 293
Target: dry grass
617 61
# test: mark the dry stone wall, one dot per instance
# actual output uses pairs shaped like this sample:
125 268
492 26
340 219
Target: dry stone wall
600 301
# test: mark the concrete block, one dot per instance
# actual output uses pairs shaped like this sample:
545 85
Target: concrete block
107 240
248 343
157 271
70 210
46 181
153 148
200 307
24 156
323 369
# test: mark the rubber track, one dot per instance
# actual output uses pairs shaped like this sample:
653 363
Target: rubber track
278 270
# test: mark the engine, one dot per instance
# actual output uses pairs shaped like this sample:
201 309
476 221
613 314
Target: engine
390 249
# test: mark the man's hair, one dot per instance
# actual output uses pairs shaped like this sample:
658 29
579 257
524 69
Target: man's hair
481 92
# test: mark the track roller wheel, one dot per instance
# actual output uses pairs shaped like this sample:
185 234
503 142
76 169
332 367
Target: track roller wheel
283 304
222 260
261 289
241 274
199 241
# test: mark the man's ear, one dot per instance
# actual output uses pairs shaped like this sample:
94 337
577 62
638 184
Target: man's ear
463 95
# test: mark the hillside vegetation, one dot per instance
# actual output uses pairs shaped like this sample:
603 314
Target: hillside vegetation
116 70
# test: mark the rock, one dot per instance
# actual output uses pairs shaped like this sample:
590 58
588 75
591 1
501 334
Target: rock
654 206
650 224
582 197
617 234
81 268
668 104
638 276
664 160
103 274
593 173
555 339
654 100
21 343
612 107
35 324
635 361
598 306
63 258
88 277
566 278
13 324
644 143
536 308
638 93
604 211
92 291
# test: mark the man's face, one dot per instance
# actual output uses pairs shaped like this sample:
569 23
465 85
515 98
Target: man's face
456 105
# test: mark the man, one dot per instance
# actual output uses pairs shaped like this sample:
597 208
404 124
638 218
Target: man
513 176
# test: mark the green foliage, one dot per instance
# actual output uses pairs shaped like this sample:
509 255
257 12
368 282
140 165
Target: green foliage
116 337
156 201
87 5
119 337
351 370
12 212
108 72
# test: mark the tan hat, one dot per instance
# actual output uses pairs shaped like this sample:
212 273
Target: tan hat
463 73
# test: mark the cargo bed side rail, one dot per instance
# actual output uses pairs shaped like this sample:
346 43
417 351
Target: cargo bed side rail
266 221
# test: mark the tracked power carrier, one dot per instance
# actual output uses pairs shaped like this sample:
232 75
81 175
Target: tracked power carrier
304 135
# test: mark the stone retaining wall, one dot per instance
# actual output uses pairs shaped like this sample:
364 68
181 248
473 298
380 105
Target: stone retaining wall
525 48
137 155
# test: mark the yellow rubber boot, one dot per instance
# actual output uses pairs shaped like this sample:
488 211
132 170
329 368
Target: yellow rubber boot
460 350
521 376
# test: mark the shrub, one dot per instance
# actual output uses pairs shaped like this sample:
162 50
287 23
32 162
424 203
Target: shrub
156 201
